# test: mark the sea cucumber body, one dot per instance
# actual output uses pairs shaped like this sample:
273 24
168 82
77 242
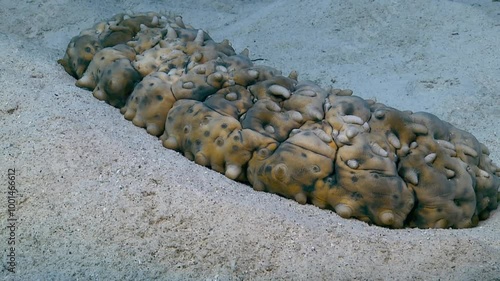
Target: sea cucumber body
327 147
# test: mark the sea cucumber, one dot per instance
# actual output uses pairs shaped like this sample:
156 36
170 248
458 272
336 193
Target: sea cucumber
327 147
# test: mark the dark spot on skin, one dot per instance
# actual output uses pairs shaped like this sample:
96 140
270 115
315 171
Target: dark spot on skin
236 138
206 133
375 176
268 169
79 61
349 109
170 119
457 202
395 197
158 97
316 169
151 84
330 181
190 110
224 125
235 148
308 188
198 142
102 58
202 91
88 50
301 171
145 101
439 210
354 179
303 155
219 142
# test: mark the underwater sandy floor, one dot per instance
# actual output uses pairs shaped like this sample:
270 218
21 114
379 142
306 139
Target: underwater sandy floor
100 199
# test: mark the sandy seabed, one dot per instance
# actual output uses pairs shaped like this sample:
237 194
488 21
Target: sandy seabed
100 199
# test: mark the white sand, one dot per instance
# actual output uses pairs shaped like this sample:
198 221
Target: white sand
103 200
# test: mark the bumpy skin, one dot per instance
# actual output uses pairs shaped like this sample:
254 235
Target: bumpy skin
117 81
269 119
250 75
397 125
145 39
326 147
348 116
197 86
277 88
125 30
150 102
201 51
442 184
101 60
366 183
231 101
210 138
117 30
309 99
293 169
459 158
81 49
160 59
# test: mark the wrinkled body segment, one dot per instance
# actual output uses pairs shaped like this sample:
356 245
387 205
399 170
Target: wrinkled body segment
325 147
